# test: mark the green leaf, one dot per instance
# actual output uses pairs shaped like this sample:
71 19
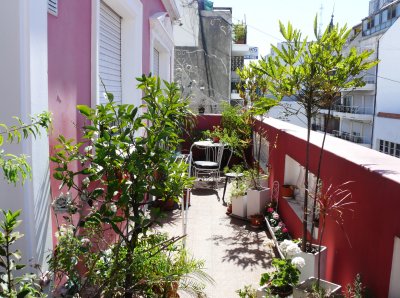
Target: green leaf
58 176
85 110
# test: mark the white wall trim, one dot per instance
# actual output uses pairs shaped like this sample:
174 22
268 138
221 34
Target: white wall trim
131 12
172 8
23 77
161 39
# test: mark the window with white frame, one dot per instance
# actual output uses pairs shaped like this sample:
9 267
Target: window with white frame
117 39
390 148
109 54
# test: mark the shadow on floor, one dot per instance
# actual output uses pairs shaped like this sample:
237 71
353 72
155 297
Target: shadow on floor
244 244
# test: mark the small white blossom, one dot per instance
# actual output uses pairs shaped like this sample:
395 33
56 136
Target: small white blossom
85 241
84 196
298 262
284 244
86 181
113 208
292 250
88 149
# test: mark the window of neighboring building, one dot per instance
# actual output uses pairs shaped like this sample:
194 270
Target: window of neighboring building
390 148
384 16
237 62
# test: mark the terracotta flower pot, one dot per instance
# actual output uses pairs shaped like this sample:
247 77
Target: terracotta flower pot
215 140
256 220
229 209
287 191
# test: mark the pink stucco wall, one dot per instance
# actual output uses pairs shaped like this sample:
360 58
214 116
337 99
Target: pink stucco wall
149 9
69 73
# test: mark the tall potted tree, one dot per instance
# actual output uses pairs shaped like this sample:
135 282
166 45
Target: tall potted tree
120 154
255 89
314 72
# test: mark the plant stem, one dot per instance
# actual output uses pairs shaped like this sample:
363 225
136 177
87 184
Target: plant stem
319 172
305 206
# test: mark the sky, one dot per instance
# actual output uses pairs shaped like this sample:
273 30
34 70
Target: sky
262 16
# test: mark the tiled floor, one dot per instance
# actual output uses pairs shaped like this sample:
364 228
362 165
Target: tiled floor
235 254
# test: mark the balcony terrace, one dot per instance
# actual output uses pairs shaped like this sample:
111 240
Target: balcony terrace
235 254
353 112
369 245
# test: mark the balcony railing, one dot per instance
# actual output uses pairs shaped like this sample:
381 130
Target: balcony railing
352 137
353 109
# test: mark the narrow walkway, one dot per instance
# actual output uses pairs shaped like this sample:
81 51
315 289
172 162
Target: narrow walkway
235 253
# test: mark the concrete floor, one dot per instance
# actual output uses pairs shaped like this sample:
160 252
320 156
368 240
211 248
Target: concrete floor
235 254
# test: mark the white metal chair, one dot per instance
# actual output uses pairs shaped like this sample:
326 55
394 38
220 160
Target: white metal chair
209 167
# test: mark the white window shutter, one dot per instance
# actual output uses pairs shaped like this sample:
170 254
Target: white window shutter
52 7
156 63
110 54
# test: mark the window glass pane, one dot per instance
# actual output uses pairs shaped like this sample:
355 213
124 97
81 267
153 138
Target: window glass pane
384 15
376 20
365 25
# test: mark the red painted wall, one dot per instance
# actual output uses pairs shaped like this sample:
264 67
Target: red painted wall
149 8
69 73
372 226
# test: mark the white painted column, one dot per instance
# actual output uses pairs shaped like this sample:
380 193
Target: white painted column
23 81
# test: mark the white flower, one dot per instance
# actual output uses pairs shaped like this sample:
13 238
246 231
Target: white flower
298 262
289 248
88 149
292 250
84 196
113 208
284 244
269 243
86 181
85 241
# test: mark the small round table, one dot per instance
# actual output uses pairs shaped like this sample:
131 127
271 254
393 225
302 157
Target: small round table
229 176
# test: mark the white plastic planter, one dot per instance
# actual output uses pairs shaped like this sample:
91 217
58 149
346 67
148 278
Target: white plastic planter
239 206
304 288
311 267
256 200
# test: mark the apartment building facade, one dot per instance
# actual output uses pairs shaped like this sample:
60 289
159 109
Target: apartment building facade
364 115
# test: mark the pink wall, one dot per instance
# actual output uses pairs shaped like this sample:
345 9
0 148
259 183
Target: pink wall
69 73
372 226
149 8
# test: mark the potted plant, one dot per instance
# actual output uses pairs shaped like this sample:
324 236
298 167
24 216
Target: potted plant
239 198
286 272
239 33
256 220
332 202
287 191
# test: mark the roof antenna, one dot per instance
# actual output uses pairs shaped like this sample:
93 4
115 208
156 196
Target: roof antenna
331 25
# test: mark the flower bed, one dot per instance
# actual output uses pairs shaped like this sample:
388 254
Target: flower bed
277 228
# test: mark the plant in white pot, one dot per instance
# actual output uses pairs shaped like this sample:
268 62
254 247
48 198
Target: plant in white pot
332 203
238 197
286 272
257 195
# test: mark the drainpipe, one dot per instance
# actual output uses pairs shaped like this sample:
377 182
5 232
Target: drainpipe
376 92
